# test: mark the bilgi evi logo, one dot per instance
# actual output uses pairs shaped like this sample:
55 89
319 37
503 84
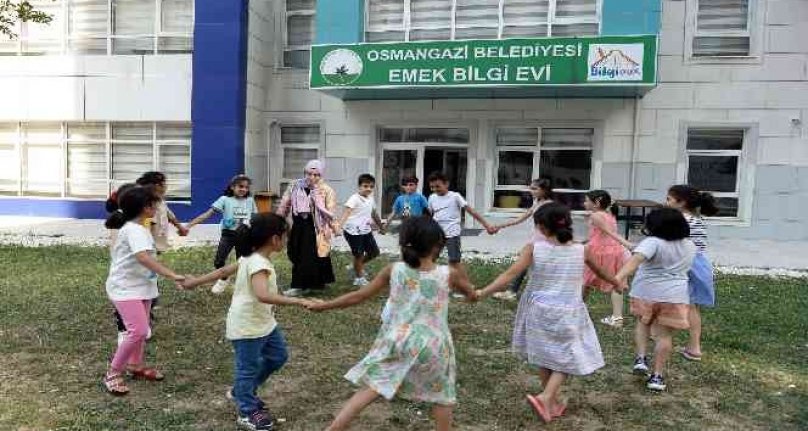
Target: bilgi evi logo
341 67
615 62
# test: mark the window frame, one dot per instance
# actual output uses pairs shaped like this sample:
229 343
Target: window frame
551 21
64 41
289 48
754 31
111 182
537 150
276 169
746 166
719 153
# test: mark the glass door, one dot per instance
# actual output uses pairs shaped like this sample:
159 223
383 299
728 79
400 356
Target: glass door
396 164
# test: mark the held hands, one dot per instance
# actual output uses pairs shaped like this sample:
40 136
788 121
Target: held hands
492 230
182 230
185 282
316 305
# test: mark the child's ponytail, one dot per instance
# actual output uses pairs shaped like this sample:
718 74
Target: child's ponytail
557 220
116 218
261 228
131 204
707 204
694 200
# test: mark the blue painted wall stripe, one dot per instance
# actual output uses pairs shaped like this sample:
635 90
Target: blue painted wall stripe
340 21
219 98
629 17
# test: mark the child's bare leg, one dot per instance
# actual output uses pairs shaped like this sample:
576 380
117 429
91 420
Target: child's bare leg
550 394
641 338
617 304
664 345
359 265
443 417
353 407
544 375
694 316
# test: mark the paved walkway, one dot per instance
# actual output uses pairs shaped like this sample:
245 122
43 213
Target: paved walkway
780 258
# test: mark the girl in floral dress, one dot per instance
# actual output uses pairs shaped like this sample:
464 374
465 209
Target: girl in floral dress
413 355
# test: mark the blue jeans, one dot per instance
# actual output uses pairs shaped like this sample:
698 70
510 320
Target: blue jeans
255 360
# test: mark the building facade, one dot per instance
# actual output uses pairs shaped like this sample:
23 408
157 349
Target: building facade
546 88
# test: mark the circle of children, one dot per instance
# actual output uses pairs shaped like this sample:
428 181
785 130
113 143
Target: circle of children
413 355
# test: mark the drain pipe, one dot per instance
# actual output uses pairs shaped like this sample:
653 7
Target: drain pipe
635 145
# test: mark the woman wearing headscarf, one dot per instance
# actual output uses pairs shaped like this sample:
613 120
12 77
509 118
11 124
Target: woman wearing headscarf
312 204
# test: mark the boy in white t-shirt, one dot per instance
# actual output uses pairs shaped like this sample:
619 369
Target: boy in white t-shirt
357 218
446 208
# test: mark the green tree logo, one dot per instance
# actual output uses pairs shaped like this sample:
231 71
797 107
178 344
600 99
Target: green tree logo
341 67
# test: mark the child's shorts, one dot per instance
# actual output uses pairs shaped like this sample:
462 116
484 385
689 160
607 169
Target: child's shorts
701 285
362 245
662 313
453 249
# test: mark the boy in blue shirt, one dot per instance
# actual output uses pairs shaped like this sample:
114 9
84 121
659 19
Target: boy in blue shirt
410 203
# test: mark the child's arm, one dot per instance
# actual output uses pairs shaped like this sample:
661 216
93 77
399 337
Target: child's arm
346 212
630 267
223 272
260 286
528 214
602 273
599 222
356 297
490 229
182 230
201 217
459 281
147 260
501 282
378 221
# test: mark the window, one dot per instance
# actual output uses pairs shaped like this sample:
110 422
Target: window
396 20
299 33
87 160
722 28
9 159
101 27
299 144
714 163
564 156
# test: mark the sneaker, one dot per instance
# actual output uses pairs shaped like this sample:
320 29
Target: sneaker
294 292
656 383
360 281
259 420
457 295
640 365
613 321
507 295
350 270
219 287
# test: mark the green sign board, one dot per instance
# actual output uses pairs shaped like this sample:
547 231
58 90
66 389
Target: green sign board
580 61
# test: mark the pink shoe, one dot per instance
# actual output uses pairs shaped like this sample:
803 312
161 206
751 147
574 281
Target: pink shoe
539 407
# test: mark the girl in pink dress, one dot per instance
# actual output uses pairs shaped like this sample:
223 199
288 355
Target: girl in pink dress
607 251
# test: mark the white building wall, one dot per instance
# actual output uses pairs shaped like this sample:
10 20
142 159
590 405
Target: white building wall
96 88
262 46
767 94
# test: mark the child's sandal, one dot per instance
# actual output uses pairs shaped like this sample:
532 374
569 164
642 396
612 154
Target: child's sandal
145 373
115 384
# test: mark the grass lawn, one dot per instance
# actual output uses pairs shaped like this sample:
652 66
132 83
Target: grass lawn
56 335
